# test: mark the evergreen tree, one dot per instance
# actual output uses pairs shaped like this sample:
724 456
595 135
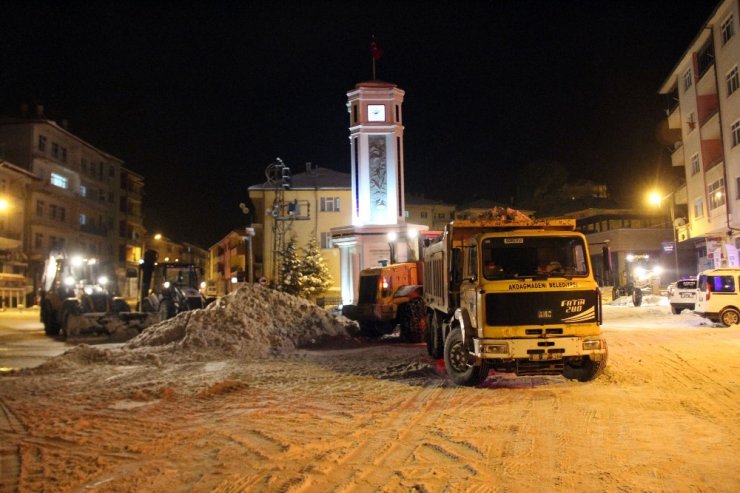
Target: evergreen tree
316 278
290 269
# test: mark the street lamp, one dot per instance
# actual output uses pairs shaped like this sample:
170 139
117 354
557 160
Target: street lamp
249 231
656 199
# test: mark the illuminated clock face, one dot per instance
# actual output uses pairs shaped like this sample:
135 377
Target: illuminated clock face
375 113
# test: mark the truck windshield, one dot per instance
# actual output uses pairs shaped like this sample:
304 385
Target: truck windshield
516 257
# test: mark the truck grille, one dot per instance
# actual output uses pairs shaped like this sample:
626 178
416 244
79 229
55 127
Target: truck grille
541 308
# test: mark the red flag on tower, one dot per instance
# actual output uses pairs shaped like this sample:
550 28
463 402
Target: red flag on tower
375 50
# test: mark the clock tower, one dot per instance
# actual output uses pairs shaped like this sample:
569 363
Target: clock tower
378 234
376 151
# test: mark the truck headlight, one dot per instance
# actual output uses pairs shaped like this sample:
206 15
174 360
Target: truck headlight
495 348
592 344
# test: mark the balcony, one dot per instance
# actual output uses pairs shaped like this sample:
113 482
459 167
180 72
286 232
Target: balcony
677 157
674 118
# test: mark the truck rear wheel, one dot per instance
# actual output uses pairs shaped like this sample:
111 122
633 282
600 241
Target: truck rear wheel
459 364
435 344
637 297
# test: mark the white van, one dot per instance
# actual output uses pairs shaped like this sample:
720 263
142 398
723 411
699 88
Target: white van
718 295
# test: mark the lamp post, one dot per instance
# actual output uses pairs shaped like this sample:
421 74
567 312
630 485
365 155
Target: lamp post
249 231
656 199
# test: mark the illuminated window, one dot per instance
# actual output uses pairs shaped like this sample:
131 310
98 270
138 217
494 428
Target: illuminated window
83 219
59 181
727 29
716 192
687 80
83 191
695 166
733 81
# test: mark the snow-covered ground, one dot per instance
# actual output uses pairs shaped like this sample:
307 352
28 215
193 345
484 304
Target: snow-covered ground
267 394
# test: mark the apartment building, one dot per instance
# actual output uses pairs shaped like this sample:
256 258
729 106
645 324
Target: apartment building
308 204
704 88
435 214
82 199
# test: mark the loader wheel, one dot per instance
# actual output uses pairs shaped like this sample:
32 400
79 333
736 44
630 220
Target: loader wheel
729 316
51 327
637 297
166 310
435 344
412 321
459 363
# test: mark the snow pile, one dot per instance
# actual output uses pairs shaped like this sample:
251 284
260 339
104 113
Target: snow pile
252 322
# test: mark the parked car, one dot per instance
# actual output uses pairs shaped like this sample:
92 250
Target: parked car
682 295
718 295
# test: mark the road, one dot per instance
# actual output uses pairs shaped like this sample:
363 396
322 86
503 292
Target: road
383 417
23 343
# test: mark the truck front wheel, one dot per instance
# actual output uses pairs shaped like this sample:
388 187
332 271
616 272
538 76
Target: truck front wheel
459 364
584 369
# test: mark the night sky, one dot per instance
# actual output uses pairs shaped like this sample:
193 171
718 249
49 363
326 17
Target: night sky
199 97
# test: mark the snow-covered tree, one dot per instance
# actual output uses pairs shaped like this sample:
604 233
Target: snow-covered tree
316 278
290 269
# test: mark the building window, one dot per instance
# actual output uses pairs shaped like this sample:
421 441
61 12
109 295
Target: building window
423 215
329 204
736 133
83 219
42 143
59 181
55 149
698 208
716 192
737 189
83 191
40 208
440 215
64 154
733 81
728 29
326 240
687 80
695 166
691 122
38 241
